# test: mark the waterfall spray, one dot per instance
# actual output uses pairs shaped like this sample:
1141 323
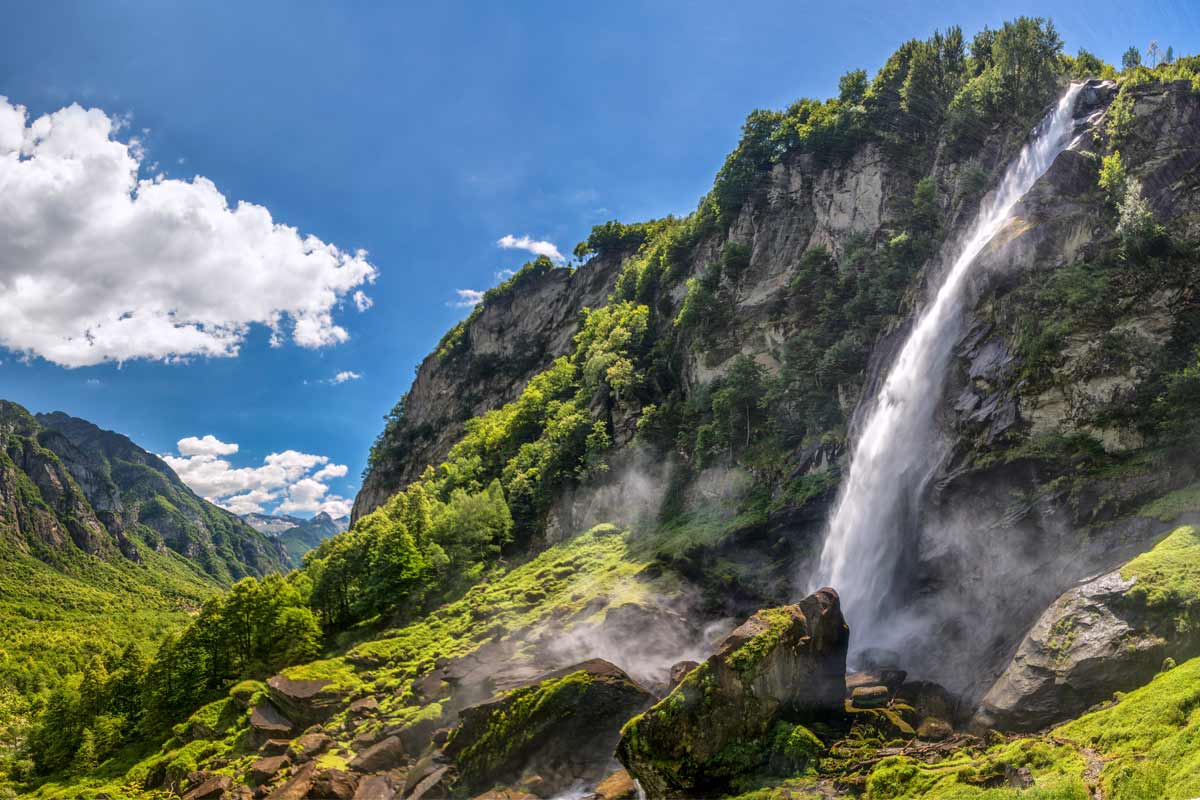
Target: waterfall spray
893 457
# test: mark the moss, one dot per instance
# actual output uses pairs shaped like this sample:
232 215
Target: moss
1174 505
524 713
1148 738
747 657
1168 576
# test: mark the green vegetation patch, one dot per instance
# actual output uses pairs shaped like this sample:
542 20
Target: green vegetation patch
1169 574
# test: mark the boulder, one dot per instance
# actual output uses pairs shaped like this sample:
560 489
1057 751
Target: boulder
336 784
385 754
274 747
297 787
870 697
210 788
265 769
618 786
782 667
561 728
306 747
376 787
1108 634
268 723
307 702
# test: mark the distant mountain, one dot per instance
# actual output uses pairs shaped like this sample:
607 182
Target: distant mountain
272 524
66 484
295 535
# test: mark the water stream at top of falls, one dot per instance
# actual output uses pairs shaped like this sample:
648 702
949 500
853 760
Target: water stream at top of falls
893 455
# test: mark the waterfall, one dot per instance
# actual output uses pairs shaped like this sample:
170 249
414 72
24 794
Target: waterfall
893 456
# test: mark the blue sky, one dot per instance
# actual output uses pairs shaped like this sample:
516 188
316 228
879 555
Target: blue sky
423 133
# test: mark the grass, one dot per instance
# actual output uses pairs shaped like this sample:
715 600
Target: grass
1174 505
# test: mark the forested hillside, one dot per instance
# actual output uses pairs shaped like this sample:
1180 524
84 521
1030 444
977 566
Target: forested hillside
586 545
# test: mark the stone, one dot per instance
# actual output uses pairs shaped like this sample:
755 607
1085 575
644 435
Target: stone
307 702
362 708
308 746
568 721
873 659
433 787
506 794
1091 642
265 769
299 786
933 729
870 697
269 722
376 787
274 747
210 788
385 754
336 784
784 664
617 786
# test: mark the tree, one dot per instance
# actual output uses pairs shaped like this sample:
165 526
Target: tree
852 87
1169 58
1153 52
1131 59
85 754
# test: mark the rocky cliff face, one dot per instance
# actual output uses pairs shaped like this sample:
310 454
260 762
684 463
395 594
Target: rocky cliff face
1015 495
500 347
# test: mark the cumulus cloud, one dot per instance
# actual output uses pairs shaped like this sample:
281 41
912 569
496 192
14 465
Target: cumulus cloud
208 445
345 375
537 247
467 298
361 301
98 264
290 480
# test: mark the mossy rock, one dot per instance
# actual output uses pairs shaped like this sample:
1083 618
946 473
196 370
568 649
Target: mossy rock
719 728
561 727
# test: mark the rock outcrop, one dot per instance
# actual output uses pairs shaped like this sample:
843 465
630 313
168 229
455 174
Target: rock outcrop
549 736
744 706
1111 633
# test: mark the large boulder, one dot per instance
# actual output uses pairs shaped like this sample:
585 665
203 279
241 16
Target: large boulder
552 734
1108 634
743 709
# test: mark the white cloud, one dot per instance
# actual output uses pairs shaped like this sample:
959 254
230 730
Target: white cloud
505 274
345 375
331 471
294 481
467 298
361 301
208 445
98 265
537 247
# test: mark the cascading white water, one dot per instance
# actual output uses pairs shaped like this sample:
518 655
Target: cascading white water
893 456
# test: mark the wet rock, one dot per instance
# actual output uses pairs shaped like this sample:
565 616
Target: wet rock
385 754
873 659
562 728
434 786
506 794
870 697
933 729
891 679
618 786
783 665
212 788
